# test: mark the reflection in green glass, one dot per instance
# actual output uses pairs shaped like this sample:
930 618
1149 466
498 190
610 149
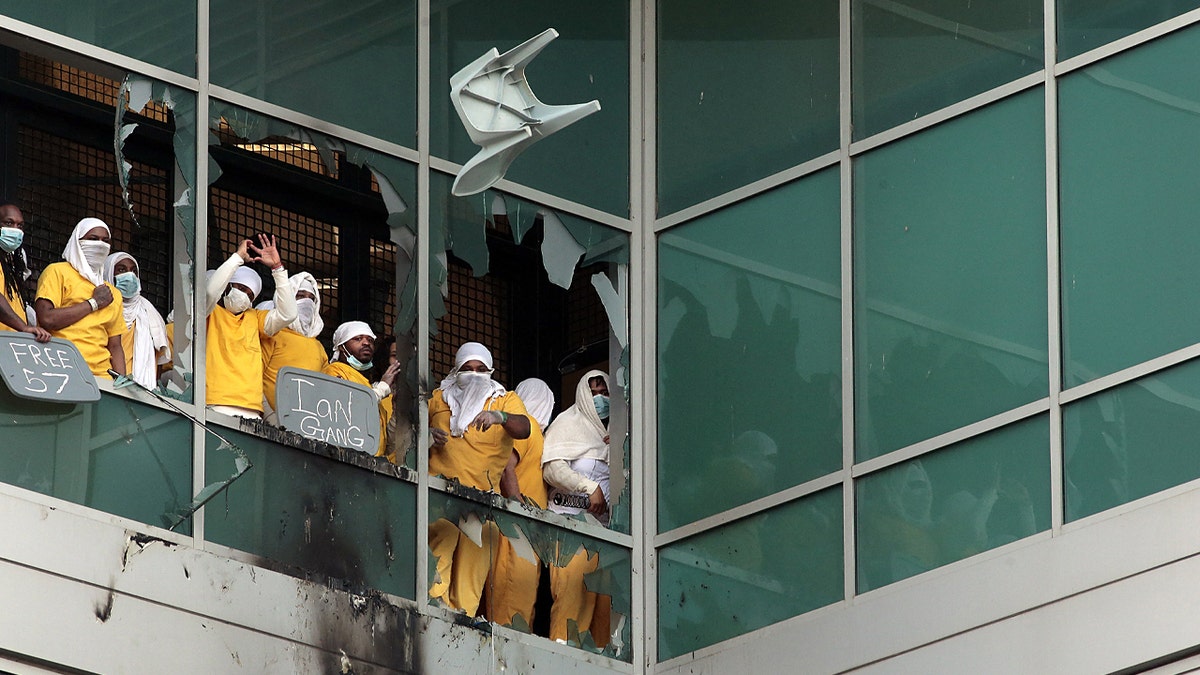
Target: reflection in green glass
1131 441
490 562
1084 25
750 573
353 66
587 162
315 515
1128 201
742 94
161 33
750 350
954 503
117 455
915 57
950 245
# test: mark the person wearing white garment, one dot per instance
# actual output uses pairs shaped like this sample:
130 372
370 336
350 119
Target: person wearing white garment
145 341
297 345
74 302
233 355
575 454
353 354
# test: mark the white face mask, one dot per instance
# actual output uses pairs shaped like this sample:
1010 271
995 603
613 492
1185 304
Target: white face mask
307 309
467 378
237 301
94 252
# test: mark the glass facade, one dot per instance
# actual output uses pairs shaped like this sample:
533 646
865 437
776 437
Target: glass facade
846 376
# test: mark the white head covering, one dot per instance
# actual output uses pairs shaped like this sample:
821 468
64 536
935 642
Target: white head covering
538 400
347 331
149 330
73 253
303 281
578 432
467 401
248 278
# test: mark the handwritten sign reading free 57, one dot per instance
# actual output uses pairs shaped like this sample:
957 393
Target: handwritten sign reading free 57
54 371
328 409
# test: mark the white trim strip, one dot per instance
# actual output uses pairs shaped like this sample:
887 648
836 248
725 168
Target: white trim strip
1132 373
1128 42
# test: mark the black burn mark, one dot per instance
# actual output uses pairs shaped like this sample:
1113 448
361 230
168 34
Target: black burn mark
103 610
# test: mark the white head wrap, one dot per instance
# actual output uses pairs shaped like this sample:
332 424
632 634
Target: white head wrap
538 400
248 278
467 401
149 333
303 281
578 432
347 331
73 253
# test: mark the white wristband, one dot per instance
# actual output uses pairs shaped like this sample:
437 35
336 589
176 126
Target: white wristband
93 303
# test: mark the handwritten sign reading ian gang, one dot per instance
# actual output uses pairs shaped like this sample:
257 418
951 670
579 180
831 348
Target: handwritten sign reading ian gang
53 371
327 409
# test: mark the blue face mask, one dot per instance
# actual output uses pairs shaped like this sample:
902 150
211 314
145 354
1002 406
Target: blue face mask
128 283
601 403
356 364
11 238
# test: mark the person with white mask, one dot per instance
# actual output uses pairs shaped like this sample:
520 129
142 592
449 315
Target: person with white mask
233 355
145 341
296 345
13 272
74 302
353 353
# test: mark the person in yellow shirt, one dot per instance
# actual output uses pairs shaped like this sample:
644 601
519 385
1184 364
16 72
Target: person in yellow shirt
74 303
13 271
233 355
145 341
297 345
473 421
353 348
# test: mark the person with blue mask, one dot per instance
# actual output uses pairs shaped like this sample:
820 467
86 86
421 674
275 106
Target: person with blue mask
145 339
575 454
353 350
13 272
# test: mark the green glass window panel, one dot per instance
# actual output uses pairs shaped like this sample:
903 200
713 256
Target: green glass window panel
750 573
950 268
315 514
115 455
351 64
954 503
749 334
916 57
494 561
587 162
160 33
742 94
1085 24
1129 155
1131 441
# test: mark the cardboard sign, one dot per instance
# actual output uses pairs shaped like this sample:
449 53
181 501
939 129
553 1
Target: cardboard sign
51 371
327 409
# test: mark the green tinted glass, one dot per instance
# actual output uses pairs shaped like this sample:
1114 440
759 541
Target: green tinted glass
306 510
161 33
750 573
913 58
587 162
1087 25
749 335
351 65
950 269
742 94
494 563
1128 201
115 455
953 503
1131 441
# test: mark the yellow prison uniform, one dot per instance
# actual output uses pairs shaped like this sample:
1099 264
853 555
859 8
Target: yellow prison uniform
344 371
590 611
289 348
64 286
233 358
14 299
477 459
513 583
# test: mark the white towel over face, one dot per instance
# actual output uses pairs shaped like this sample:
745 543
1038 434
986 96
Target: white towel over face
73 252
467 396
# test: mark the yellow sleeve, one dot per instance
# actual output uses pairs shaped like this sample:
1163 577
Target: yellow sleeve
50 285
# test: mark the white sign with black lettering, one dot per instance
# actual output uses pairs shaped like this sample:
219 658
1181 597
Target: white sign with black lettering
327 409
51 371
